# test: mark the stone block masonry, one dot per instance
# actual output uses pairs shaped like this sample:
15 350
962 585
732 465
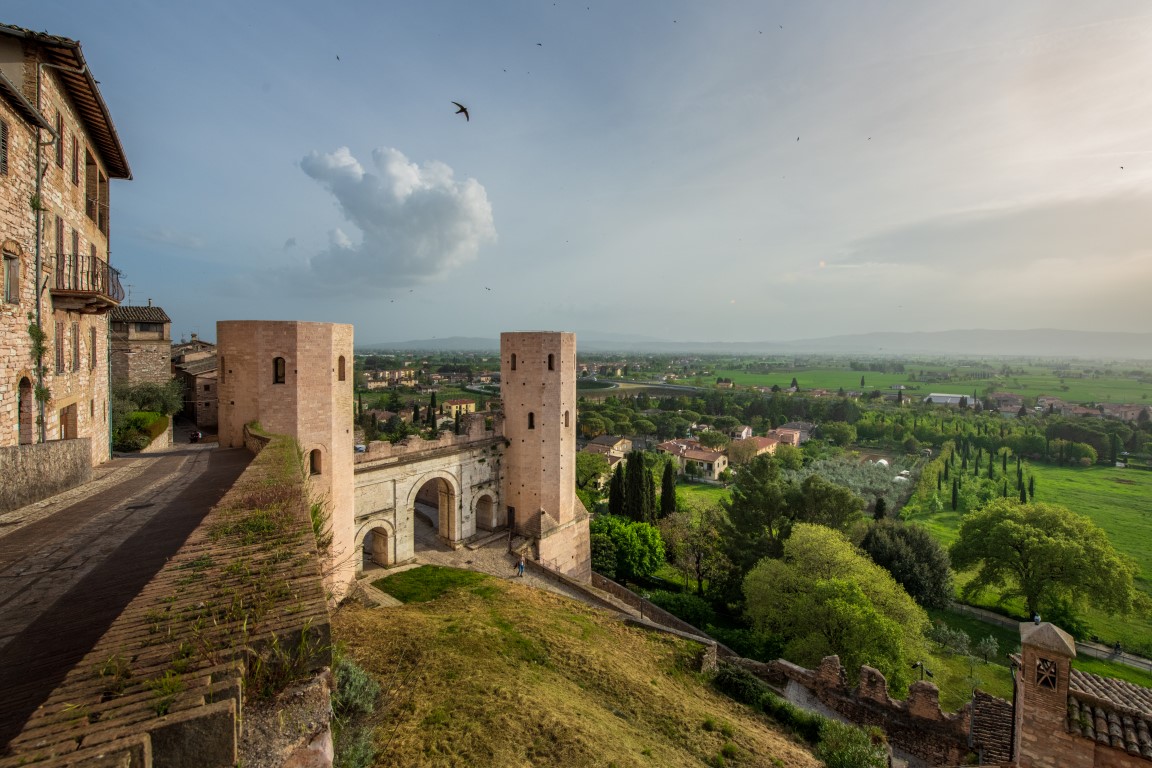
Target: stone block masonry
37 471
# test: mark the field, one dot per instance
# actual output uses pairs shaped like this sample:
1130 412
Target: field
1113 388
1120 502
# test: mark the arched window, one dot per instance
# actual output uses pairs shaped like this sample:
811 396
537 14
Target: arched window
340 368
566 419
551 362
278 370
513 361
531 420
314 462
26 416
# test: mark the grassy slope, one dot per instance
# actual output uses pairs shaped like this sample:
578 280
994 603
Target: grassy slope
498 674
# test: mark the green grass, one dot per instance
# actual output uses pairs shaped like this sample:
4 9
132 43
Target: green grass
1108 388
1117 500
702 493
428 582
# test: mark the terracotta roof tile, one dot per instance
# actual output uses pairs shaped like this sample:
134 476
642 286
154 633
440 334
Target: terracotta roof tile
147 314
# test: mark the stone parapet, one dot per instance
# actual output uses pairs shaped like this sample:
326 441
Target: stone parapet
37 471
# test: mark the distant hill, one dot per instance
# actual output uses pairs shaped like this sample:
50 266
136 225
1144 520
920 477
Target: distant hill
1041 342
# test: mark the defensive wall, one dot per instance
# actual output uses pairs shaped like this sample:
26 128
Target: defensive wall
237 615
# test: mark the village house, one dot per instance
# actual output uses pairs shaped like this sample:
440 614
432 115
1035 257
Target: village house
459 406
953 401
694 460
59 150
141 342
741 432
765 444
610 445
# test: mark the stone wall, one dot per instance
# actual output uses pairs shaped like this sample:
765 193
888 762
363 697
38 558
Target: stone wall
136 361
35 472
239 612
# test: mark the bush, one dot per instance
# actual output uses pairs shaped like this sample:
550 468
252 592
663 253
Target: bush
691 608
749 643
846 746
603 554
355 692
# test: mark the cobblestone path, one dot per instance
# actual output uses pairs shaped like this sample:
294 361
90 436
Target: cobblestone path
69 564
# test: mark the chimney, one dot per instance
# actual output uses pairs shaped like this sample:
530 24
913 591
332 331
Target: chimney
149 302
194 337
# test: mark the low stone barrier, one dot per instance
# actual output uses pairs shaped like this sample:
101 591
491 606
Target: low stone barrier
37 471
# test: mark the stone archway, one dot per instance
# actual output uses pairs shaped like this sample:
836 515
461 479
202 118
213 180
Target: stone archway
488 513
379 546
437 500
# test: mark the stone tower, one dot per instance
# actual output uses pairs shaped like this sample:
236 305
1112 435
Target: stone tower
1042 739
295 378
538 390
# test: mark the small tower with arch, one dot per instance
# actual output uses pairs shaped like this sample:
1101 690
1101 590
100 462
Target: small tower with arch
538 486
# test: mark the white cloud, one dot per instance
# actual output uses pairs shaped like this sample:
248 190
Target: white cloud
416 223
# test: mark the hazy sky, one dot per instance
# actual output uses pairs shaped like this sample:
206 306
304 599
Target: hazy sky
677 170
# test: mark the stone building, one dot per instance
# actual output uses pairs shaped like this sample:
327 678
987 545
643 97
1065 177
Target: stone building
295 378
194 364
538 390
141 341
58 153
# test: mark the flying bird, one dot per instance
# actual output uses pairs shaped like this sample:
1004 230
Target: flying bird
337 57
463 109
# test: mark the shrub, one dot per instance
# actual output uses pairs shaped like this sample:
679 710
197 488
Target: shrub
355 692
846 746
691 608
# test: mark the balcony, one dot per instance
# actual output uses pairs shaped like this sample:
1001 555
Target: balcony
85 284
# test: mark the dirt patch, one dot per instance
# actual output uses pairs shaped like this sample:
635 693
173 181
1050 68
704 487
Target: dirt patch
1123 481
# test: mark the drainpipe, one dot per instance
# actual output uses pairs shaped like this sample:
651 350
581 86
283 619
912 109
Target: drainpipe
41 169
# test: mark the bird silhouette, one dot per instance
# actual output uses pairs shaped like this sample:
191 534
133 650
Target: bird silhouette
463 109
487 288
337 57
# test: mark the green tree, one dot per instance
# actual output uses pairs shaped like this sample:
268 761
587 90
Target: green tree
823 597
914 558
741 452
714 440
824 503
880 510
692 538
1045 554
668 489
838 433
638 502
616 492
590 468
758 515
639 548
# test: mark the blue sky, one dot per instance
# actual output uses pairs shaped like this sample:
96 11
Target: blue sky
674 170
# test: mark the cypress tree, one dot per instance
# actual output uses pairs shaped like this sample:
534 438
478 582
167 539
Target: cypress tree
861 382
634 487
955 495
881 508
1004 462
939 482
1023 495
456 426
946 473
649 496
1004 492
616 491
992 467
668 490
432 401
1031 487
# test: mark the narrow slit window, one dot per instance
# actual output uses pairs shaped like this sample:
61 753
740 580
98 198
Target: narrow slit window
566 425
340 368
551 362
531 420
513 361
278 370
314 462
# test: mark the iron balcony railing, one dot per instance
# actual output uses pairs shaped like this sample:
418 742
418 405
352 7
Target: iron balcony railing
81 274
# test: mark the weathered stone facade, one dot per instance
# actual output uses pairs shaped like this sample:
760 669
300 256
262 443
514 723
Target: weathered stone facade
37 471
141 345
54 225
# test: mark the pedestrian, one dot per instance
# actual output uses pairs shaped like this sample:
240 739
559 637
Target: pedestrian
520 567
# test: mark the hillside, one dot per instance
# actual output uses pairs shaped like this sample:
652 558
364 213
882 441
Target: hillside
499 674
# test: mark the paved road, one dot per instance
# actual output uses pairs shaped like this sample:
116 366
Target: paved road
69 564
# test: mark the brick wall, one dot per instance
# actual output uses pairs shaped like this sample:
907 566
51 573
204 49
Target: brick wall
35 472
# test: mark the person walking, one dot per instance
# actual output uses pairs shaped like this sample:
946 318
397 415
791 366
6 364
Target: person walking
520 567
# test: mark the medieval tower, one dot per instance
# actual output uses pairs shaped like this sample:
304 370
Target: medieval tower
295 378
538 486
